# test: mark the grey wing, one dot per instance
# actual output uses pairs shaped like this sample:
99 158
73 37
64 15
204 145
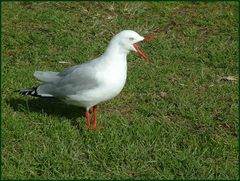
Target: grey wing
46 76
87 64
71 81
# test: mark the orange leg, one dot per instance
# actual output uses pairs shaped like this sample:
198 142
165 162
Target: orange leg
88 119
94 117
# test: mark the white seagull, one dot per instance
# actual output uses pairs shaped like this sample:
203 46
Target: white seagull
92 82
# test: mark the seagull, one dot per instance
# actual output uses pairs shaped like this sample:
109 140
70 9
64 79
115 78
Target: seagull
94 81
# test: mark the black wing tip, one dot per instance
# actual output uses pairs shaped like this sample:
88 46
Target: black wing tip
28 91
31 92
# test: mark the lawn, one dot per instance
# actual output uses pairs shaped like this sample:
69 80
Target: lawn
176 118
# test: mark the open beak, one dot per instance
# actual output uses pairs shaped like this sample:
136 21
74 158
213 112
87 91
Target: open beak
135 45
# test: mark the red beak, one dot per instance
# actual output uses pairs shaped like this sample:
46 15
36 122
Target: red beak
149 37
139 51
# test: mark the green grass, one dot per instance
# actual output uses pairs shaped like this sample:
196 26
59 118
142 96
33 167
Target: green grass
190 132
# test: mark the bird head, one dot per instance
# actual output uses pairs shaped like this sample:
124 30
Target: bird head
129 40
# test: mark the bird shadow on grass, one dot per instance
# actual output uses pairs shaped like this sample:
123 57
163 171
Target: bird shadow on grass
50 106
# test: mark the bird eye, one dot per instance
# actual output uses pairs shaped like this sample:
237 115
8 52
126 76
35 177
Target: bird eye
131 38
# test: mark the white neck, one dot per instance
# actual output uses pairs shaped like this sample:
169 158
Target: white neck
114 49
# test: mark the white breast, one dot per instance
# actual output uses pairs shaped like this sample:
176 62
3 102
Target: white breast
113 80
